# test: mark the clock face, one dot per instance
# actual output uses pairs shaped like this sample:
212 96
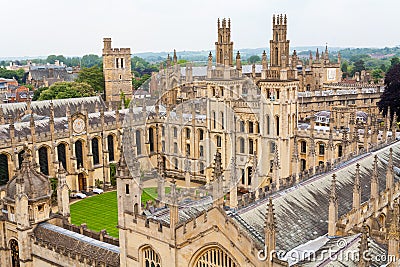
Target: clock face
78 125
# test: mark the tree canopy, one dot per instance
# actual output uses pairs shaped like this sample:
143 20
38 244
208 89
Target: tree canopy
253 59
61 90
94 77
391 95
9 74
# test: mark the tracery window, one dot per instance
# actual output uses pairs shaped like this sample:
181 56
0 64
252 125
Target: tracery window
79 153
95 151
4 174
61 152
43 160
110 143
151 258
215 257
14 253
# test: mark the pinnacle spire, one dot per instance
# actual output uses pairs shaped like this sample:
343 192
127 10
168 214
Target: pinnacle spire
270 222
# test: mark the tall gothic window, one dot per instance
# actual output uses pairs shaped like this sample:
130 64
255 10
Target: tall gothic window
201 134
340 151
251 147
303 148
268 125
151 139
151 258
14 248
241 145
61 152
138 142
215 257
20 158
277 125
95 151
110 144
43 160
79 153
4 175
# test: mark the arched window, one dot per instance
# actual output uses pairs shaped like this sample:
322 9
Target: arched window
201 168
163 146
201 134
43 160
151 258
321 149
79 153
175 132
187 133
110 144
251 146
303 148
272 147
340 151
61 153
214 120
188 149
251 127
276 53
219 141
241 145
175 147
20 158
249 175
95 151
162 130
268 125
303 164
201 151
14 248
241 126
176 164
4 175
151 139
138 142
277 125
214 257
222 120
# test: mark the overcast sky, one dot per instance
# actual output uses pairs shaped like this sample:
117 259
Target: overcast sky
76 27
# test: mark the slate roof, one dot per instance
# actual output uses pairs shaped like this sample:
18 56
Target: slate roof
188 210
72 242
42 108
344 251
302 210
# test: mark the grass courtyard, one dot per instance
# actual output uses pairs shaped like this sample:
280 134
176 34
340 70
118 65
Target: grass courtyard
101 211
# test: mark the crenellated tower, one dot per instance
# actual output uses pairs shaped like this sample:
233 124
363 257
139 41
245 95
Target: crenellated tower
117 72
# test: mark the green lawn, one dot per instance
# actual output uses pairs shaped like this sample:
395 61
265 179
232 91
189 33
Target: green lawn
101 211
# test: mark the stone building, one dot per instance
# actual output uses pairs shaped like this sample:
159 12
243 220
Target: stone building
266 175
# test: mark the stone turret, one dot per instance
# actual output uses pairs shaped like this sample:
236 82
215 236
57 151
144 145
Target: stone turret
357 189
63 193
217 184
394 234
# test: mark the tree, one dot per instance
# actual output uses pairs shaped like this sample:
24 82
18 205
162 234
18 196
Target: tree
359 65
10 74
37 93
61 90
94 77
90 61
345 66
391 95
394 61
377 75
138 82
254 59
